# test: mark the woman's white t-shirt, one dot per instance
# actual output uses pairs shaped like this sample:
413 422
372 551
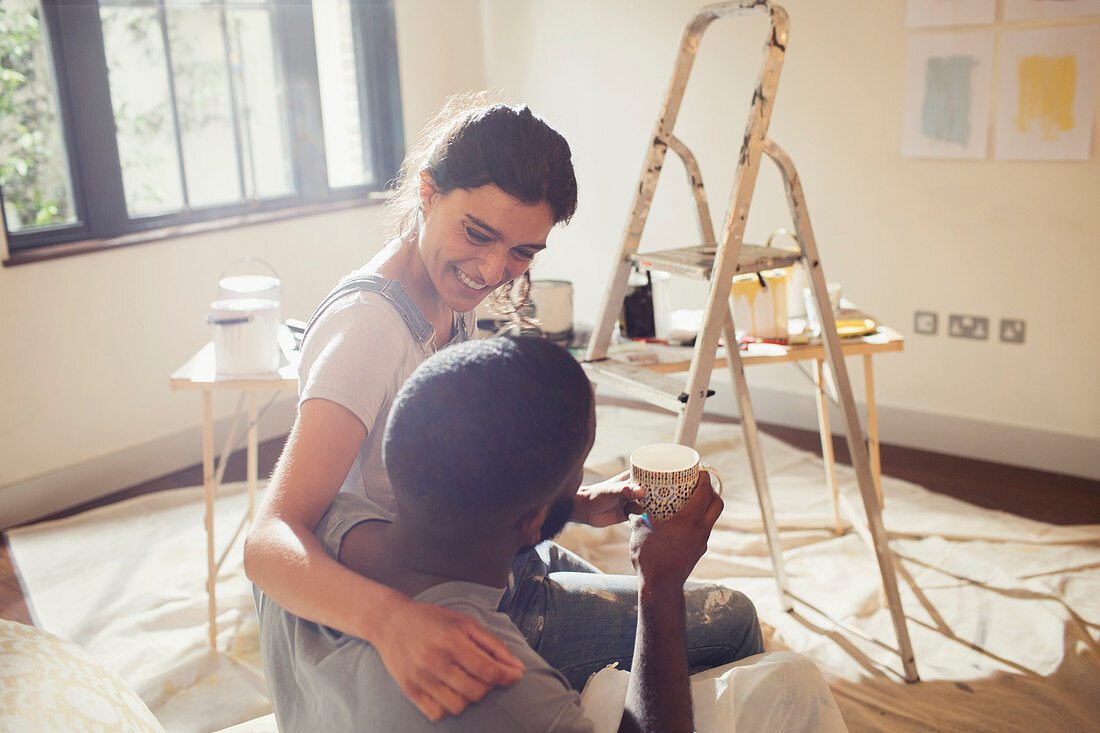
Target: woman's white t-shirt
357 353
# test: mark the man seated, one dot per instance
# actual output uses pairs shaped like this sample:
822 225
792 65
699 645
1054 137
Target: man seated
485 447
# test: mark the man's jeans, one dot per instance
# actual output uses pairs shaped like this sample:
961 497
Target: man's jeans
580 619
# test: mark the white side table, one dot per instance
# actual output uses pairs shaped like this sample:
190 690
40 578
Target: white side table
198 374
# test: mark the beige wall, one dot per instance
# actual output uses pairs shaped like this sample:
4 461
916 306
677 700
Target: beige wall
1000 239
89 341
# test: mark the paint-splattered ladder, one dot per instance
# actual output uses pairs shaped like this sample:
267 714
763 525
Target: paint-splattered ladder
717 262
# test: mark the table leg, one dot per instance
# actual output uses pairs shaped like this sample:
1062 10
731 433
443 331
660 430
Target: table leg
253 451
208 523
872 448
872 428
826 440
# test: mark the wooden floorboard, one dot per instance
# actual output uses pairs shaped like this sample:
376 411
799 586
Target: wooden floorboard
1040 495
1047 497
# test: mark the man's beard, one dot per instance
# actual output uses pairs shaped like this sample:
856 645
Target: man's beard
556 519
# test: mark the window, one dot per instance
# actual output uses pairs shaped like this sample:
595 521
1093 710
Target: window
119 116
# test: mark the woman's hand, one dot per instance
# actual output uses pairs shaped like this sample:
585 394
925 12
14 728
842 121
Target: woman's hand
607 502
443 660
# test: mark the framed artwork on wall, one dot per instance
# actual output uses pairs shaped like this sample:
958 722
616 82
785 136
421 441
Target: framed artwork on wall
1047 94
949 81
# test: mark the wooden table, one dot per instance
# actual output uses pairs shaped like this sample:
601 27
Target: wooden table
198 374
672 359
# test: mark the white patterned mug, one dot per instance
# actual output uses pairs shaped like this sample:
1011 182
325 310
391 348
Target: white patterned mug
668 473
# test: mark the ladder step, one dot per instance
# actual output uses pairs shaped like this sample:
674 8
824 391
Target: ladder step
697 262
644 384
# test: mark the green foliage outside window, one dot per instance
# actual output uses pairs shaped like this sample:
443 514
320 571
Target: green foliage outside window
31 174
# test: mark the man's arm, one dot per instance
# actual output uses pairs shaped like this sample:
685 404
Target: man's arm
658 697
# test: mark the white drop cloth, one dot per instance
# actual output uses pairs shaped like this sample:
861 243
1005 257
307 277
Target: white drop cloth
1005 612
127 583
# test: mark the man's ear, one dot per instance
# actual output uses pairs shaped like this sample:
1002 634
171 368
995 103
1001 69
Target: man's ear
529 525
427 191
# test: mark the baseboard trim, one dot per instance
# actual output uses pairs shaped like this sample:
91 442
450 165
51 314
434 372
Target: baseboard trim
24 501
1013 445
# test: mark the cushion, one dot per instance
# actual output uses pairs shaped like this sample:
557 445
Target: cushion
49 684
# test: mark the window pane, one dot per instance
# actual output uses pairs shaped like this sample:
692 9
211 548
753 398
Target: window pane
141 100
226 78
34 171
197 43
262 101
346 152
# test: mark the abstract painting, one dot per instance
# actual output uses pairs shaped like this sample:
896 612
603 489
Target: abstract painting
949 81
1047 94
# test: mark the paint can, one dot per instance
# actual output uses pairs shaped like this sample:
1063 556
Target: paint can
246 336
759 304
553 301
796 307
258 287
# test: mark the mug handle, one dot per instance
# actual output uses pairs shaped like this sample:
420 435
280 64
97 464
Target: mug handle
714 476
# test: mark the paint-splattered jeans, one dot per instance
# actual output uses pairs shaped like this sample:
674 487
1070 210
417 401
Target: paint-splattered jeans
580 619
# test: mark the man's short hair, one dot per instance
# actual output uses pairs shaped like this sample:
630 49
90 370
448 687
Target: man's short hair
488 427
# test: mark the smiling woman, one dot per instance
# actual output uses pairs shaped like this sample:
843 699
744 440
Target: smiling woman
476 200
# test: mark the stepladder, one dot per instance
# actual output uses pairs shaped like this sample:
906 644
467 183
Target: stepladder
715 261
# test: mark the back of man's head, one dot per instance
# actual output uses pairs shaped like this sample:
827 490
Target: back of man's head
488 428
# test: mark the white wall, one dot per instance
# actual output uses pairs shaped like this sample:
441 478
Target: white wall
89 341
1000 239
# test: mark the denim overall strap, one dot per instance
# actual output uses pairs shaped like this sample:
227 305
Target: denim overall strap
392 291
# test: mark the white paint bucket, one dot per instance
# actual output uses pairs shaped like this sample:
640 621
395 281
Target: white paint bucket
262 287
553 301
759 304
246 336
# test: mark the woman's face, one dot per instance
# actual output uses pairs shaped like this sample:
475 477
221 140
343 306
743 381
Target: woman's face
475 240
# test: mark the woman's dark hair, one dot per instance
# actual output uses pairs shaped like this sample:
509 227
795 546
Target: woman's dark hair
473 142
488 426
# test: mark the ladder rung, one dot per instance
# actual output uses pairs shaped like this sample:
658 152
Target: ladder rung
647 385
697 262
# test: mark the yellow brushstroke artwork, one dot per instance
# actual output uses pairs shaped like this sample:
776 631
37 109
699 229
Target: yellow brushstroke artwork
1047 87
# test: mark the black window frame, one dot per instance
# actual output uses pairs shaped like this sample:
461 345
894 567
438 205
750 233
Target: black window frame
82 88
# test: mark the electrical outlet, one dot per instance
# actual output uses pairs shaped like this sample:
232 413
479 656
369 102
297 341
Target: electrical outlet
968 327
1012 330
925 322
